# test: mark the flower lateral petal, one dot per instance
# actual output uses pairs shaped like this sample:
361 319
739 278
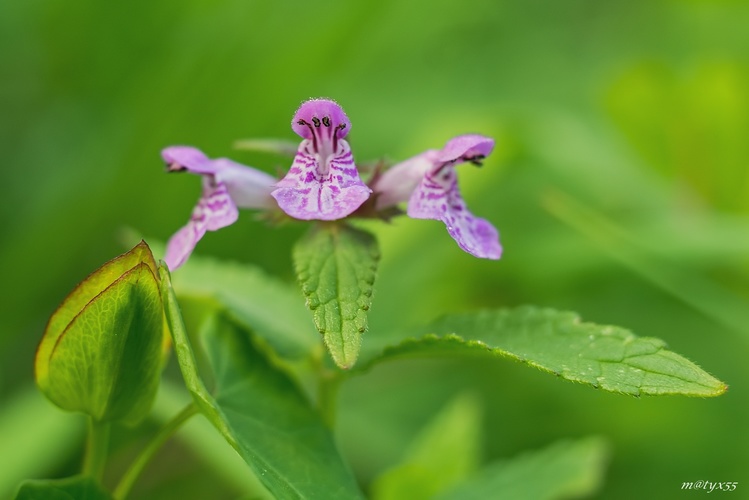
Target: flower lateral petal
438 197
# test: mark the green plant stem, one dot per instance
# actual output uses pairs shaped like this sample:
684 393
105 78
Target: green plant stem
327 392
128 479
97 445
328 382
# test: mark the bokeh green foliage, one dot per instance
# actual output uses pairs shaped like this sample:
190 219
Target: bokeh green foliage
632 110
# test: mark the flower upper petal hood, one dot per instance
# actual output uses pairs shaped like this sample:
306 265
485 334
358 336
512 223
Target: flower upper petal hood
470 147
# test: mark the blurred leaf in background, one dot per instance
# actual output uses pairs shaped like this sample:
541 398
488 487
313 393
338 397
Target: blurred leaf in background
635 110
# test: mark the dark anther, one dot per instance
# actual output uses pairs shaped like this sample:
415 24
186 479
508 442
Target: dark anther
316 121
326 121
175 167
476 160
301 122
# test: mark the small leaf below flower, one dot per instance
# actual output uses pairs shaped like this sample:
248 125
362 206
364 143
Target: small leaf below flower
336 267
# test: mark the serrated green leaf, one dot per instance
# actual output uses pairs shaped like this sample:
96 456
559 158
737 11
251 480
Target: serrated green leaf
445 452
336 267
104 358
606 357
260 412
72 488
568 469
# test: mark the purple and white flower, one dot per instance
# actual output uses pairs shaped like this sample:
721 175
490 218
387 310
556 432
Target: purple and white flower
227 186
430 185
323 182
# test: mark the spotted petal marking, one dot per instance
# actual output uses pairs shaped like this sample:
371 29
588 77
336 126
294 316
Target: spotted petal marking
438 197
327 189
214 210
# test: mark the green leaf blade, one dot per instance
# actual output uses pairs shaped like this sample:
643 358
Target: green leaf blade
272 421
336 267
72 488
267 305
96 282
86 291
567 469
106 361
260 412
444 453
606 357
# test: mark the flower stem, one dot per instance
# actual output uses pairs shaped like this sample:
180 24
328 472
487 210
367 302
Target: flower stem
97 446
128 479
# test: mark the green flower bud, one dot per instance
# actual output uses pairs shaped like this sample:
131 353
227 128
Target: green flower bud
101 350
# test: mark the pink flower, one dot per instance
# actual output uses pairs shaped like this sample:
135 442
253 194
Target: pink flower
430 185
227 186
323 182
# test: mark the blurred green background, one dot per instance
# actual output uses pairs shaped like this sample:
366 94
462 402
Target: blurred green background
620 186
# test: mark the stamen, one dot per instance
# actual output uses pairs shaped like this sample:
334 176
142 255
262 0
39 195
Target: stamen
312 131
326 121
335 134
316 121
